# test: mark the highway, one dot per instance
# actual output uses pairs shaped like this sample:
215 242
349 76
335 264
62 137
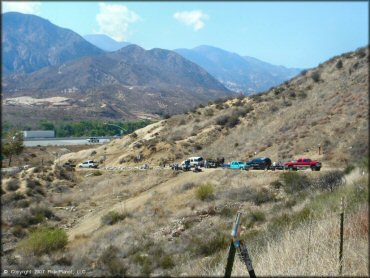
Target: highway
62 141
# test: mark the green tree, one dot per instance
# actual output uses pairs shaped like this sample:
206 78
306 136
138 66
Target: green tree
45 125
13 144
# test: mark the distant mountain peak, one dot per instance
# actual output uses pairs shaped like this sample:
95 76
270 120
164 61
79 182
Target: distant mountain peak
105 42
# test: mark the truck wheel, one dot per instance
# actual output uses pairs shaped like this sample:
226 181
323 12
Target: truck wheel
290 168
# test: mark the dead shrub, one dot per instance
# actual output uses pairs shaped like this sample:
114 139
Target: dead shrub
12 185
316 76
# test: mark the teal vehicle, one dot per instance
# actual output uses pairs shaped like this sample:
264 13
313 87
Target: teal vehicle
238 165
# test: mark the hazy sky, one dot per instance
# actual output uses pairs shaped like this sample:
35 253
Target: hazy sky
292 34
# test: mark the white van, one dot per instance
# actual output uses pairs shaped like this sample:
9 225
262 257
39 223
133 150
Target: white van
196 160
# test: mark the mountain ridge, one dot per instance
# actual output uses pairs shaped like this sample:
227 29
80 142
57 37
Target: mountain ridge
30 42
239 73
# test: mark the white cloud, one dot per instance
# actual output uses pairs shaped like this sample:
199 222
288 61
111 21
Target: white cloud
22 7
192 18
114 21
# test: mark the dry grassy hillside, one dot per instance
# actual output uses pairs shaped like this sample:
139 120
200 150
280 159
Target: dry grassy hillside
327 105
116 221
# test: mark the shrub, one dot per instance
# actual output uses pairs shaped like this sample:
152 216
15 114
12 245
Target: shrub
292 94
12 185
263 196
32 184
133 135
11 197
280 222
166 262
109 260
44 240
232 121
18 231
302 94
348 169
228 211
205 192
41 211
113 217
206 246
316 76
329 181
294 182
22 204
255 217
97 173
257 98
219 106
208 112
222 120
145 262
339 64
187 186
197 147
62 173
303 72
24 219
273 108
276 184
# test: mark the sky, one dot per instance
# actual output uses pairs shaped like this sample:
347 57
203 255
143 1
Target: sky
292 34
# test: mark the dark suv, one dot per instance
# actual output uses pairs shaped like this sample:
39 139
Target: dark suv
262 163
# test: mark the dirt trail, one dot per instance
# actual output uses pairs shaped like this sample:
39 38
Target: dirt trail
92 221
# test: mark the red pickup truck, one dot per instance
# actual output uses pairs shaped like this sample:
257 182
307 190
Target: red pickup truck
303 163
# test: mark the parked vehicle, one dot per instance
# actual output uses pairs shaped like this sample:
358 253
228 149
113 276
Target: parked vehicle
225 165
185 165
261 163
210 163
277 166
93 140
196 160
88 164
303 163
238 165
69 165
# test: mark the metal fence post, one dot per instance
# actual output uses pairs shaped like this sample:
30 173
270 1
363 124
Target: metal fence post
230 260
341 237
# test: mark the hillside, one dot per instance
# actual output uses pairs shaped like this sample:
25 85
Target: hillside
30 43
121 84
327 105
126 220
246 75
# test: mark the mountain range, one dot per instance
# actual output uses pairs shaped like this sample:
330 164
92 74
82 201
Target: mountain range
42 60
246 75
